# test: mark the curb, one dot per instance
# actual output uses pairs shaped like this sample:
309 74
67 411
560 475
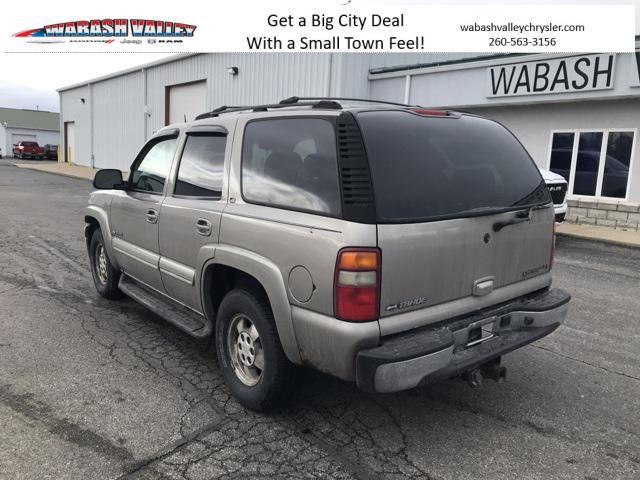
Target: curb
619 243
61 174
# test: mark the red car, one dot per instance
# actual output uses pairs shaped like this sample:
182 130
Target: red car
28 150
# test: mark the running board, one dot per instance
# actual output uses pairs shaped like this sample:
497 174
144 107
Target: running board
181 317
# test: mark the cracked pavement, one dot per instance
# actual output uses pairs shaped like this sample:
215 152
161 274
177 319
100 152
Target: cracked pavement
98 389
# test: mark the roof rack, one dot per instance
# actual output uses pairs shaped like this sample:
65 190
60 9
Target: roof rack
296 100
322 104
329 103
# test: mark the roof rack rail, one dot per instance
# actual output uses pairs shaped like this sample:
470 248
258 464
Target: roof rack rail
322 104
216 111
296 100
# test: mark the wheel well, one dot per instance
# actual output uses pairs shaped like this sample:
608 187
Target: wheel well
93 225
220 280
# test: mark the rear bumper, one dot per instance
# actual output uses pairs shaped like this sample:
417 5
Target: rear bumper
422 355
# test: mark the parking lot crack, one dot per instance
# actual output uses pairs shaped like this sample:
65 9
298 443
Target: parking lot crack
568 357
40 413
137 468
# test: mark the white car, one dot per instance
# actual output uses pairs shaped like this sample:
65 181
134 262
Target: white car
558 188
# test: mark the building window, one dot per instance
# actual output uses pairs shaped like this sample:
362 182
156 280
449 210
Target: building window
595 163
201 166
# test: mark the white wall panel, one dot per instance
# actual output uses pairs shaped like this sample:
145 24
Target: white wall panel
118 121
73 110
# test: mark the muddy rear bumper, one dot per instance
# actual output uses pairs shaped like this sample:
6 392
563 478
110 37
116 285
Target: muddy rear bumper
450 348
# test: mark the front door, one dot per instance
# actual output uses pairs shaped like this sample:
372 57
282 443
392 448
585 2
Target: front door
191 214
135 213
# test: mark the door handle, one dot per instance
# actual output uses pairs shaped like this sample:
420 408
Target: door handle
203 227
152 215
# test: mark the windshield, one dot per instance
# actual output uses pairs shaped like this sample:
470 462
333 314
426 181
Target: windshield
430 168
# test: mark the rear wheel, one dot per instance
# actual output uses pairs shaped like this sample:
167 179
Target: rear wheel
105 277
249 351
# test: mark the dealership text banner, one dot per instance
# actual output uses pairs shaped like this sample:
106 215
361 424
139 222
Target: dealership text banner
354 26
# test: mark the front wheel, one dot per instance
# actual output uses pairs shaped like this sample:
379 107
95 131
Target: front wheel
249 351
105 277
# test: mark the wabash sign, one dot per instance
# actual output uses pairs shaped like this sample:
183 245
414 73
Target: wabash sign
559 75
111 27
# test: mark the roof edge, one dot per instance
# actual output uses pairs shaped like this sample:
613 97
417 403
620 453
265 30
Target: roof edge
30 128
126 71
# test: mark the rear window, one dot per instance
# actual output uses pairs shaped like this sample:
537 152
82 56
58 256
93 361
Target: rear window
29 144
428 168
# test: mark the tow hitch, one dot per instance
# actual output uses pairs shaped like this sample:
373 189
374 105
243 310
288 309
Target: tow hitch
491 370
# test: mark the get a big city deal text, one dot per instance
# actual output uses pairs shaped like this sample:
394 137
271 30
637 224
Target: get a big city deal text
328 22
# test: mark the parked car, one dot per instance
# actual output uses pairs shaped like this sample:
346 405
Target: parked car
28 150
384 244
51 151
558 188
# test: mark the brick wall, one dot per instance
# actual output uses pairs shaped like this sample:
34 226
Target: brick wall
618 215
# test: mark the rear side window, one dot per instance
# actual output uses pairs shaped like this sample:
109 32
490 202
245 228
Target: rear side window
426 168
291 163
201 166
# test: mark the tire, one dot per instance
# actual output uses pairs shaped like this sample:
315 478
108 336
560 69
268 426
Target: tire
105 277
275 380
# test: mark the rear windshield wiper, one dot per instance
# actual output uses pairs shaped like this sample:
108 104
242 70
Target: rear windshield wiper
520 217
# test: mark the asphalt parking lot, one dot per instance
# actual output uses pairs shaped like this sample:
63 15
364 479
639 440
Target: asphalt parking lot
104 390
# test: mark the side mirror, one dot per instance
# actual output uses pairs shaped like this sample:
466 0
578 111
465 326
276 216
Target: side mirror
108 179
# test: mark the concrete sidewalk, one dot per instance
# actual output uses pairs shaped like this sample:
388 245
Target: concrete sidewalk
600 234
66 169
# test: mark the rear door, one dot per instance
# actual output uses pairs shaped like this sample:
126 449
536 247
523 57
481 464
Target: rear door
462 210
135 213
192 211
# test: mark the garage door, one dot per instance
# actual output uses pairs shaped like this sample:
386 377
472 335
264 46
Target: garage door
18 137
186 101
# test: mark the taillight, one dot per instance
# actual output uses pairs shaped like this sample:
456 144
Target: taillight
357 284
430 112
553 244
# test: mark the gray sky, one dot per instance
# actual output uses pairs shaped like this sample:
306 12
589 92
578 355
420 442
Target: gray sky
37 87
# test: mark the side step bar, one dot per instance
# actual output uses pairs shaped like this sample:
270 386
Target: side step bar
181 317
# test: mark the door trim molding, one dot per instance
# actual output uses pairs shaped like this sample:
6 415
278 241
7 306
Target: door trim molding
177 270
134 252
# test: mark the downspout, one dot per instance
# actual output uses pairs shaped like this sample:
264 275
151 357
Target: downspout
145 107
407 89
93 158
62 148
329 74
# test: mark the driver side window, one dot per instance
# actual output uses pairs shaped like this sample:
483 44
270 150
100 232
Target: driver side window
150 171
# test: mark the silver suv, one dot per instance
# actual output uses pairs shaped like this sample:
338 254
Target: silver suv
385 244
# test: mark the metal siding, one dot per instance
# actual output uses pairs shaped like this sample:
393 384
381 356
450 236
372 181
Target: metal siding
118 121
261 78
75 111
43 137
390 89
119 103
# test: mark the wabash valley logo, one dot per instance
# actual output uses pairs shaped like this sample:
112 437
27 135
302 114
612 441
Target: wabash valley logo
111 27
